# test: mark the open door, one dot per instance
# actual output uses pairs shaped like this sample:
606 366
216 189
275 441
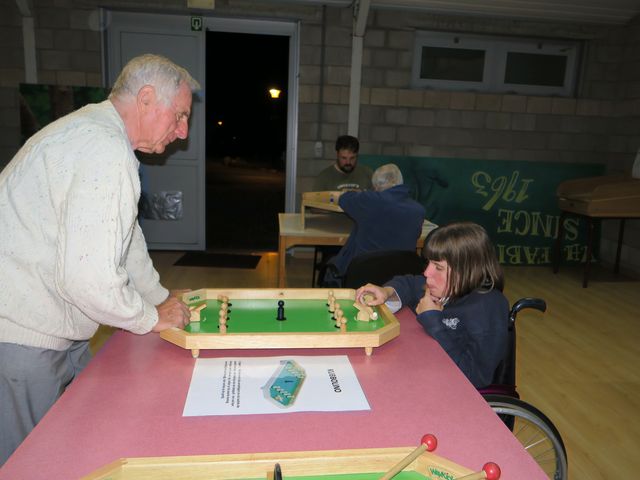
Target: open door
173 184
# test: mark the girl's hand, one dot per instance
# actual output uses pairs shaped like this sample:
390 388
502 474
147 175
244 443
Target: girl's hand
427 302
372 294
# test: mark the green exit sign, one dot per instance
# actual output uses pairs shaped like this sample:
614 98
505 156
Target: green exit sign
196 24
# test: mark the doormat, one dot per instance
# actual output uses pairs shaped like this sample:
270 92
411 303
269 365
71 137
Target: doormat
220 260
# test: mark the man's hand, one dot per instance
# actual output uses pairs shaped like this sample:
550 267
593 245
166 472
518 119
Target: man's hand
172 313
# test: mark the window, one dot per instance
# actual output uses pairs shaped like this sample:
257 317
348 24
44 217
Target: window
494 64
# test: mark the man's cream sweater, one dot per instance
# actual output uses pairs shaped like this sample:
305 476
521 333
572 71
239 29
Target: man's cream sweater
72 254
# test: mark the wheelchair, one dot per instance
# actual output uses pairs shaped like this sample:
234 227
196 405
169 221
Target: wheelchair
530 426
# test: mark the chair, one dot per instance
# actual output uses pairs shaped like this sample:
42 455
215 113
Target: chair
321 255
537 434
379 267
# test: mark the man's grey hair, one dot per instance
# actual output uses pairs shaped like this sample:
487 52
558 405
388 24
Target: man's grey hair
386 176
155 70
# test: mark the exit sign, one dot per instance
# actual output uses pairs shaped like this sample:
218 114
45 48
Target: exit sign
196 24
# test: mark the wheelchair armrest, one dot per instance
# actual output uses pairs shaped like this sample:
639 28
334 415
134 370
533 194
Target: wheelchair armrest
527 302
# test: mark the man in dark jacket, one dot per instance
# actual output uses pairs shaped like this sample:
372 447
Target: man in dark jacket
386 218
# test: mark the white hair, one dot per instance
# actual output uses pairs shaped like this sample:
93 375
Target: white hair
386 176
155 70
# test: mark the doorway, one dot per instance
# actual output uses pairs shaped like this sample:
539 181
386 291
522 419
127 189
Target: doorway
247 85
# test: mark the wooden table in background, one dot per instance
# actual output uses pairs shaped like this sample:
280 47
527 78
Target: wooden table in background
597 198
129 400
319 229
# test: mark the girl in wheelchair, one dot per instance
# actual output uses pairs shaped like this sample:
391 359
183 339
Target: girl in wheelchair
458 300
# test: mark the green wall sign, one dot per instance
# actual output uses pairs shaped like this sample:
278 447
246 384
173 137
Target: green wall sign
196 24
515 201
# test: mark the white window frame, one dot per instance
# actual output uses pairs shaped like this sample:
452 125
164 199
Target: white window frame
496 50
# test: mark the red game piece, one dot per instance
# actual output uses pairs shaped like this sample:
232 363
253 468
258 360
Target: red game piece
492 471
430 441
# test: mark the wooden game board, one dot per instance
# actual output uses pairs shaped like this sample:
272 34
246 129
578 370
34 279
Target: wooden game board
361 464
298 331
327 201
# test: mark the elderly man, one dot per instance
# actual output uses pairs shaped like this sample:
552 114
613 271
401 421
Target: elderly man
386 218
72 254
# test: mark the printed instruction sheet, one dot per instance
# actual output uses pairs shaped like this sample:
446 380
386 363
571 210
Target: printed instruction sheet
250 385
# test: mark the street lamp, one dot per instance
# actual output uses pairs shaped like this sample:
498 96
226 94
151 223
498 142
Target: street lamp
274 92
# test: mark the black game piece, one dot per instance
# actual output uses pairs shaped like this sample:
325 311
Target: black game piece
281 311
277 472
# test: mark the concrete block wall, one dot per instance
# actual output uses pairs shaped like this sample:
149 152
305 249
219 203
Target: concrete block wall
394 118
68 52
599 125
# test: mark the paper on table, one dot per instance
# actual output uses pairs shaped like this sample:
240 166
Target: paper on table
234 386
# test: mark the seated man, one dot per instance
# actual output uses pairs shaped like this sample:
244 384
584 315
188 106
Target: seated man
385 219
345 173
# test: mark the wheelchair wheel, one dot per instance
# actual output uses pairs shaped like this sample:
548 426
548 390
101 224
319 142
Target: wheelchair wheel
535 432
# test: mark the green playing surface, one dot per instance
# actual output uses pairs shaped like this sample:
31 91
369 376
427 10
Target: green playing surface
259 316
356 476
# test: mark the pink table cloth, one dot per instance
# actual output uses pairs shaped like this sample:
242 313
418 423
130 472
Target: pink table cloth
128 403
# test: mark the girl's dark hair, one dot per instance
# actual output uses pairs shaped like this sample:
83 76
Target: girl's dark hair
471 257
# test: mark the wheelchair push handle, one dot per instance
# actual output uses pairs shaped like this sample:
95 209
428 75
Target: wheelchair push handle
527 302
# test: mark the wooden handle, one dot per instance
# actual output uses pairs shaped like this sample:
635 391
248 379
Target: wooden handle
428 442
474 476
402 464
